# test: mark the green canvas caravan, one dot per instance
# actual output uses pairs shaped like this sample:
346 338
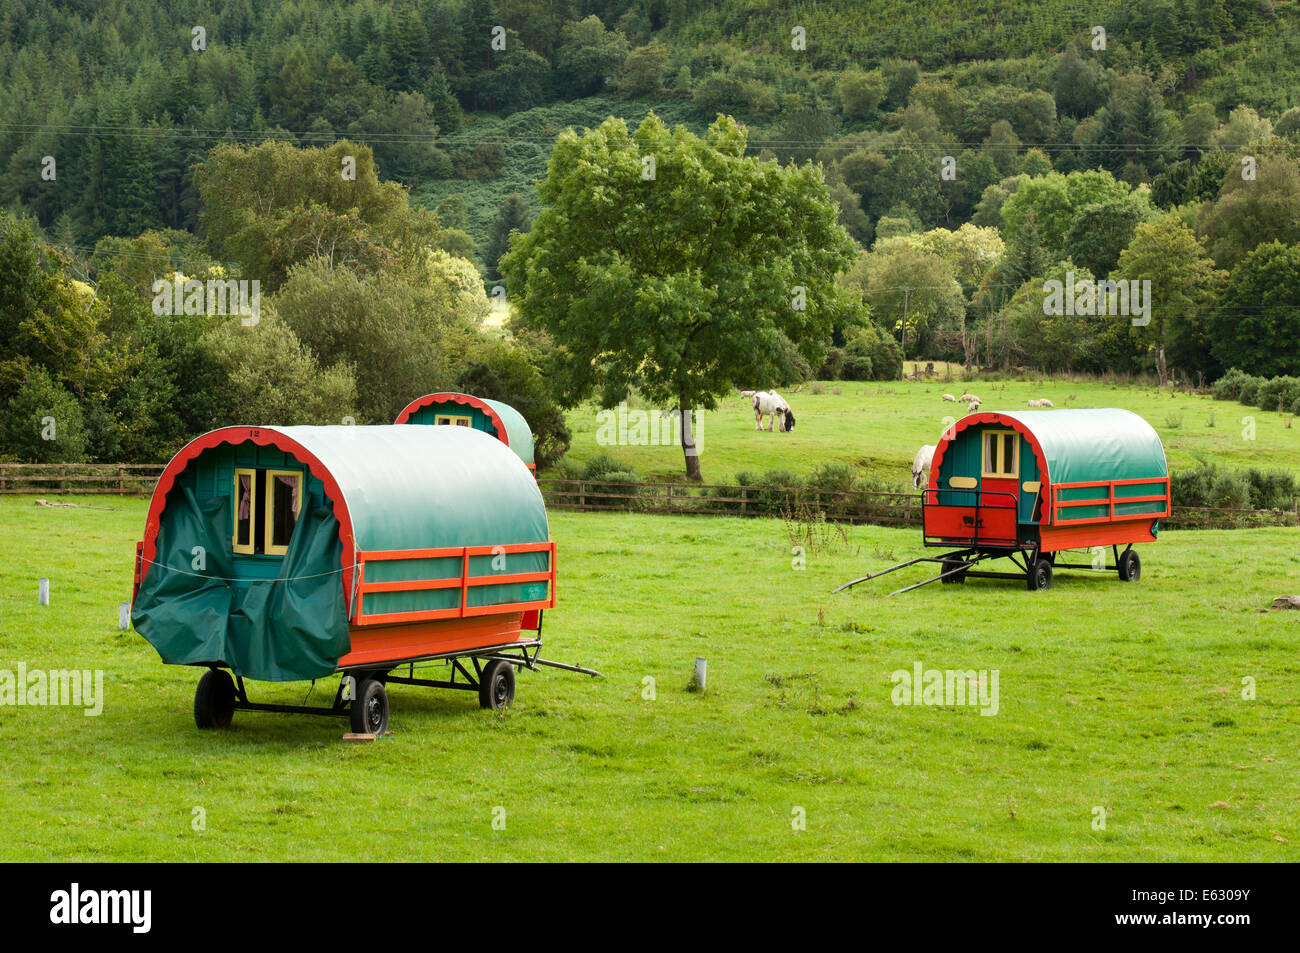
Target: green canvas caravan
293 553
493 417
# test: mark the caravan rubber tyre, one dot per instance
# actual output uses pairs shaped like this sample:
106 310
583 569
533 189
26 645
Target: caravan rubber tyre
496 686
370 708
214 699
1040 575
1130 566
948 566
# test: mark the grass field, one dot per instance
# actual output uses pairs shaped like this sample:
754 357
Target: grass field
1124 697
879 426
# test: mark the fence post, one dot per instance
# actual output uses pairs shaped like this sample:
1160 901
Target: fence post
582 495
63 483
744 500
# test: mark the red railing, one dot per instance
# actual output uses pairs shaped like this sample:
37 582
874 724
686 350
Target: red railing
1108 499
464 582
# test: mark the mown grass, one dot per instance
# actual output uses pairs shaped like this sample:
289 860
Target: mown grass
878 427
1118 696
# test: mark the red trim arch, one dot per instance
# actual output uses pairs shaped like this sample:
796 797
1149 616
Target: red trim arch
988 417
455 398
262 436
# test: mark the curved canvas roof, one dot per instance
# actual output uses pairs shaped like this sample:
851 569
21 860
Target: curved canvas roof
1082 446
405 486
395 486
509 423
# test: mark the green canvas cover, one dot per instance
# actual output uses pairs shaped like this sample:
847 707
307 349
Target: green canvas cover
518 433
1082 446
290 628
517 429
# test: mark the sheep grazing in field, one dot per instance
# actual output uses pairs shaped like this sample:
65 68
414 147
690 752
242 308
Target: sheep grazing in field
949 398
921 466
748 393
1044 402
774 407
967 398
974 405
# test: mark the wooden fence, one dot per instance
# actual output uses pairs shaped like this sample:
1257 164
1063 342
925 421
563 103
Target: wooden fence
710 499
122 478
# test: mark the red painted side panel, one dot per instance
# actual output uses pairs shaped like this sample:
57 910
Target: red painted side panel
1096 534
382 644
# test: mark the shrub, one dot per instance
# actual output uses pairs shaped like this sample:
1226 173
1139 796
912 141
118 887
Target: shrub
1272 489
43 423
604 474
1249 390
778 489
1207 485
1278 393
829 480
1228 387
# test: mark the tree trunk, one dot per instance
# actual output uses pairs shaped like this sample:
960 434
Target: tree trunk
689 450
1161 369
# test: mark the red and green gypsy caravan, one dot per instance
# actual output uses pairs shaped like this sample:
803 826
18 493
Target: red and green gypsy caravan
1029 485
493 417
294 553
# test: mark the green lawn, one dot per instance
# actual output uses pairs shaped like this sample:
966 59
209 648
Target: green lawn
879 426
1126 697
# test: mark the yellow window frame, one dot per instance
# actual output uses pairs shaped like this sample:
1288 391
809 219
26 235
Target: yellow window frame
235 546
268 527
1004 474
457 420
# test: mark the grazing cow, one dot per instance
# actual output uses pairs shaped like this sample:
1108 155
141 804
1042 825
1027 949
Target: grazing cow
1041 403
921 466
771 404
949 398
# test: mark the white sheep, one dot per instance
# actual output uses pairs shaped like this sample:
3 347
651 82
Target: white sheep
974 405
1044 402
967 398
949 398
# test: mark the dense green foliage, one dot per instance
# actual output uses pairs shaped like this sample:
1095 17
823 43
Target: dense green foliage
975 153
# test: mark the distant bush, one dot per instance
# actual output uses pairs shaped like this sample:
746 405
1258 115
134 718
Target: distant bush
1249 390
1208 485
1228 387
1278 393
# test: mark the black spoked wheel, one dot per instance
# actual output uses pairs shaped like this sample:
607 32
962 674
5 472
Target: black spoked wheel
370 708
1040 575
214 700
1130 566
496 686
948 566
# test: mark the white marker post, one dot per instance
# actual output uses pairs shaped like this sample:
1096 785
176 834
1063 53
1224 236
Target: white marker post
43 590
123 616
701 672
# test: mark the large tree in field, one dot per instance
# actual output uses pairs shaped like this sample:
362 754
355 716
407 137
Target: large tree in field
1184 287
676 265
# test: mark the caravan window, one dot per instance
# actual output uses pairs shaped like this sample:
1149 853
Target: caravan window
266 507
1001 454
455 419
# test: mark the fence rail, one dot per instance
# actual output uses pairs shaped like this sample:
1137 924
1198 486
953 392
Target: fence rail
122 478
708 499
